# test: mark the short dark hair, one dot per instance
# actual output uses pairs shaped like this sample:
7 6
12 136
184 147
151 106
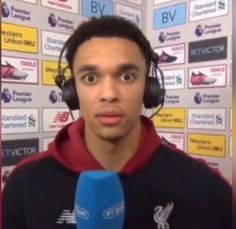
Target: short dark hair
108 26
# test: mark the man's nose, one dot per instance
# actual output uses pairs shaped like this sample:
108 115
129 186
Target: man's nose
109 89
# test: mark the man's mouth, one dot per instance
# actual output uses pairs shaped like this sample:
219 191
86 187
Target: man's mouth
109 118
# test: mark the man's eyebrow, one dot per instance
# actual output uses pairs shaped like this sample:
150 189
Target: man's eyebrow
121 67
87 67
128 66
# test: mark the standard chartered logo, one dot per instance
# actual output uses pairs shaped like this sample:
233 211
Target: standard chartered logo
219 119
31 121
213 118
17 120
202 9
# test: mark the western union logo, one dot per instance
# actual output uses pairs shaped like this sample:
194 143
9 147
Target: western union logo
19 38
170 118
207 145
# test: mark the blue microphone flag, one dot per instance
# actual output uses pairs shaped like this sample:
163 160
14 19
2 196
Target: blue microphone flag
99 201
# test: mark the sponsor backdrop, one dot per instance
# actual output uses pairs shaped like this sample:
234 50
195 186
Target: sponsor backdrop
194 41
191 38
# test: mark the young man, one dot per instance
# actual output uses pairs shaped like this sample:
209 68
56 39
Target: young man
164 188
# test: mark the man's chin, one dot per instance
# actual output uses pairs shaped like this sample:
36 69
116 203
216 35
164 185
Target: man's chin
111 136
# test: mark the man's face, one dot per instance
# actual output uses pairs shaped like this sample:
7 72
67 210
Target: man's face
110 81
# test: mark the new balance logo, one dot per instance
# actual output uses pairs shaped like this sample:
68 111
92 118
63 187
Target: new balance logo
66 217
61 117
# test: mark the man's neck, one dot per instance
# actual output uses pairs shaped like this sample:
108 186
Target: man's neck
113 155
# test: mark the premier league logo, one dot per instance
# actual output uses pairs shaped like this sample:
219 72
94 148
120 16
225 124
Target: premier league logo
52 21
197 98
199 30
53 97
6 95
5 10
162 37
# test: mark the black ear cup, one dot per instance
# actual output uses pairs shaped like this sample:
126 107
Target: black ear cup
153 93
69 95
59 79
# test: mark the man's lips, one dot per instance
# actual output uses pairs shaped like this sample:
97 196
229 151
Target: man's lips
109 118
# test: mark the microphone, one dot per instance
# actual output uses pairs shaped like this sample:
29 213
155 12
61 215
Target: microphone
99 201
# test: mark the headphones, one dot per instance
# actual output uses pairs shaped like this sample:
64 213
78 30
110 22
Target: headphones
154 94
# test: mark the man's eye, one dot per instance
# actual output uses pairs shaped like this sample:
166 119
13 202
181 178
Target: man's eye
90 78
127 77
